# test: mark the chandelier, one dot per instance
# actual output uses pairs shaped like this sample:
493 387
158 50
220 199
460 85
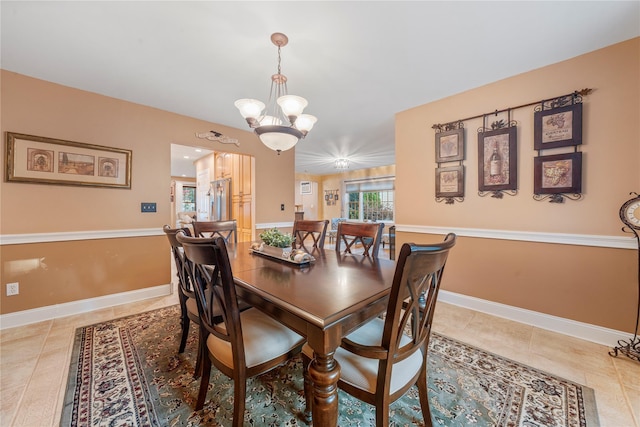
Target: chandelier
281 108
342 163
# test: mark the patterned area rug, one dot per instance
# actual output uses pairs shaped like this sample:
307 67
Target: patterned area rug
127 372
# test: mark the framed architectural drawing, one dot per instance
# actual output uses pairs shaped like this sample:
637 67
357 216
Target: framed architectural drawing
40 160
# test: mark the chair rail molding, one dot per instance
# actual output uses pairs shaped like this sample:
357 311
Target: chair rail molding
269 225
19 239
619 242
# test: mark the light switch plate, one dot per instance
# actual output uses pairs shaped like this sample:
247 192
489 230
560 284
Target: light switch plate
147 207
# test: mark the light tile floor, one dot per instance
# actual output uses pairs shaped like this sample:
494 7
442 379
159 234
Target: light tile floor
34 361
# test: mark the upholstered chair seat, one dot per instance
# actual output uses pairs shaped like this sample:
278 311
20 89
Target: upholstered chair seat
264 339
362 372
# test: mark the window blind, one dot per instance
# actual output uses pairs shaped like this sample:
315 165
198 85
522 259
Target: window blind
380 184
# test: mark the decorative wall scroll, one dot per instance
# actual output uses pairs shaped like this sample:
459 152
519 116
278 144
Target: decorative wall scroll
556 175
450 184
40 160
331 196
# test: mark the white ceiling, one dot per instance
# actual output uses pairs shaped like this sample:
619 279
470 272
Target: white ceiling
358 63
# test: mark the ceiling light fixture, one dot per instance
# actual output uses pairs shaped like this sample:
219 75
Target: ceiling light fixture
342 163
269 125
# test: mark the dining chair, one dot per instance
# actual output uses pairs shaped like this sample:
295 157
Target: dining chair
186 296
368 234
384 358
224 229
245 343
313 230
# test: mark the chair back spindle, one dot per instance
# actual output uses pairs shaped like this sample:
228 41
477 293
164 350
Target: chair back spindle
368 234
228 230
309 233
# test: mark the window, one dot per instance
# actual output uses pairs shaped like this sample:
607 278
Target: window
188 199
371 200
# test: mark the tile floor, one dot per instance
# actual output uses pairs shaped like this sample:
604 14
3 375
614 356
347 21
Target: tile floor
34 361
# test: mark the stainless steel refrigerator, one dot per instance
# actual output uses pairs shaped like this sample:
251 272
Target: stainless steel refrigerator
220 197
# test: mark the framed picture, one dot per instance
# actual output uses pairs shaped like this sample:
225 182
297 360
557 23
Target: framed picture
450 181
561 173
40 160
498 159
558 127
305 187
450 146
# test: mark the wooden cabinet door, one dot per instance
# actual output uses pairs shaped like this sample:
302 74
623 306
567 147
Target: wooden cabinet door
224 165
242 175
242 199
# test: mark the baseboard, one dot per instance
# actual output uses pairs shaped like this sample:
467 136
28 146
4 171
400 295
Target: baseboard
41 314
585 331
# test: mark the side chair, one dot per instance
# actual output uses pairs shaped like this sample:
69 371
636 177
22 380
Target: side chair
369 234
188 306
380 361
245 343
311 230
225 229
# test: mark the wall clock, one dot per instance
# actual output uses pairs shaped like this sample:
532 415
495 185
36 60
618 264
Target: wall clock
630 212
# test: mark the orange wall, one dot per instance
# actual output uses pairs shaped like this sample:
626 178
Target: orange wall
588 284
41 108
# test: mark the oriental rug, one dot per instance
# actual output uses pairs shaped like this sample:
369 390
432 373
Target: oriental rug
126 372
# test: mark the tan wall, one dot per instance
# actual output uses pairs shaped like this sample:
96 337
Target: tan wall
36 107
587 284
335 182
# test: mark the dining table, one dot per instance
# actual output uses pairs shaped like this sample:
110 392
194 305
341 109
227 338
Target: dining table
323 300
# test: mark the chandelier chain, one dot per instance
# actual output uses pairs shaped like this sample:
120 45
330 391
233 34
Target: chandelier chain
279 58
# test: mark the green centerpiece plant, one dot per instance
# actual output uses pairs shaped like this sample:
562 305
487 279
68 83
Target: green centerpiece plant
276 238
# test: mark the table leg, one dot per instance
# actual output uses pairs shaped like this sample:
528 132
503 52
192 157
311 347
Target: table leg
324 371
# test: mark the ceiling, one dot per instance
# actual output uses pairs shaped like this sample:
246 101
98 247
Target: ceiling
358 63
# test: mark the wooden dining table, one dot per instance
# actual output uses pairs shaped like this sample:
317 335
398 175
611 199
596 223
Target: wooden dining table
323 300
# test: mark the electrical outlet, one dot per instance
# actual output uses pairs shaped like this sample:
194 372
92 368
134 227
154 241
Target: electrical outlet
13 289
147 207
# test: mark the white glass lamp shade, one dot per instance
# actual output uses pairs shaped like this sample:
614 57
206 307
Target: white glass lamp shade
270 121
292 105
278 141
305 122
249 108
279 138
